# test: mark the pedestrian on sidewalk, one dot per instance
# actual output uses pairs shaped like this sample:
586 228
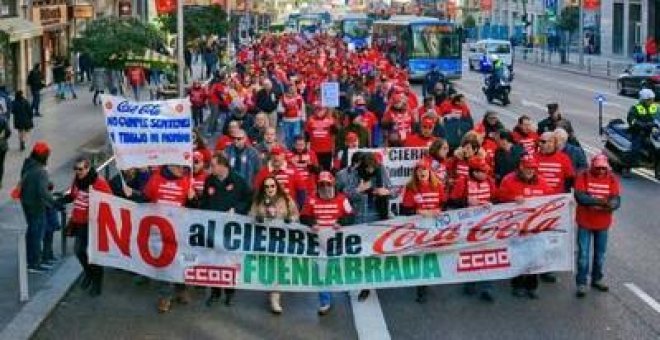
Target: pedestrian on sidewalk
651 48
35 198
59 78
84 180
5 133
69 79
22 118
100 80
35 82
598 196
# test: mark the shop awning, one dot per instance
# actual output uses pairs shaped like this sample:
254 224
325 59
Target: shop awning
19 29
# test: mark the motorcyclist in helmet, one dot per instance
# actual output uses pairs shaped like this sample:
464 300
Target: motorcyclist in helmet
497 71
640 118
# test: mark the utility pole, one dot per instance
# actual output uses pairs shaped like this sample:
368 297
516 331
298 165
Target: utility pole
228 29
181 66
581 32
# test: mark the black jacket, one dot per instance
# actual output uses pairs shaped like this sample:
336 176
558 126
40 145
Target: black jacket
22 114
266 101
5 133
232 192
35 80
506 162
35 196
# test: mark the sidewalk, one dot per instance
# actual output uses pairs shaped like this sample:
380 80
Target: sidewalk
65 126
598 66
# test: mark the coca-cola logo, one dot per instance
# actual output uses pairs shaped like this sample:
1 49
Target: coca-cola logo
520 221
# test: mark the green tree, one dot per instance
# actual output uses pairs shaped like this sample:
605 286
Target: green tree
569 19
198 21
107 37
469 21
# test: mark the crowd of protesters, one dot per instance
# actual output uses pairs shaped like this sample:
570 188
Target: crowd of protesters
278 154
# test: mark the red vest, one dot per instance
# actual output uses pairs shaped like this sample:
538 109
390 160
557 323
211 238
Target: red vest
80 210
327 212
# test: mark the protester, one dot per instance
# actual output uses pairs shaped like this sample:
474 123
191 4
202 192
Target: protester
507 156
555 166
476 189
272 202
287 175
243 158
85 180
257 131
525 135
326 209
35 198
267 100
219 101
425 138
137 79
22 118
597 194
555 119
573 151
198 99
438 155
516 187
199 145
225 191
292 118
424 195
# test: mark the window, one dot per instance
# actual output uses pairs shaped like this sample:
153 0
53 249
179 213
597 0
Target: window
356 28
433 41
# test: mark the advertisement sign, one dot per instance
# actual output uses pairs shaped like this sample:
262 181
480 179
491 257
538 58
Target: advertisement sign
208 248
149 133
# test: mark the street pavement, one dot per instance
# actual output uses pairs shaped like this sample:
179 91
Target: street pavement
127 311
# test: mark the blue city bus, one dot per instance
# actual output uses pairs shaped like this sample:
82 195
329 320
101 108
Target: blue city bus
310 23
355 30
419 44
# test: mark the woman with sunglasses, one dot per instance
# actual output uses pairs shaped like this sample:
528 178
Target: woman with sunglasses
272 202
84 179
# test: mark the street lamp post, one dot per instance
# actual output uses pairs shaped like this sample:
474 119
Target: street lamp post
581 32
181 66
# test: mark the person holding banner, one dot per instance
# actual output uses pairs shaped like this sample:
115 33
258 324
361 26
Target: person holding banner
225 191
476 189
326 209
524 183
423 195
85 179
272 202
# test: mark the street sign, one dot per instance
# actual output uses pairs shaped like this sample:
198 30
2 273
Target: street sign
551 4
600 98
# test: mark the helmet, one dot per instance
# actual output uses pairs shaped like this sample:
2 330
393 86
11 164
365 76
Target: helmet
646 94
494 57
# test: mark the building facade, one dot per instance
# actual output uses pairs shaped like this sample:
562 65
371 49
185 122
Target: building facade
626 24
16 36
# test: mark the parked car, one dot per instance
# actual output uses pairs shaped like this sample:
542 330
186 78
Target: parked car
639 76
502 48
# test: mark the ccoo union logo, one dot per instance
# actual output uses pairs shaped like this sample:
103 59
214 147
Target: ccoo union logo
212 276
487 259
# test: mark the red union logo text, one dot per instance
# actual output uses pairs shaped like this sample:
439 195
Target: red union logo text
483 260
211 276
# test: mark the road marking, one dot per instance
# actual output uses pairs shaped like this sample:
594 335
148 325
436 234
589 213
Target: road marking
368 317
651 302
533 104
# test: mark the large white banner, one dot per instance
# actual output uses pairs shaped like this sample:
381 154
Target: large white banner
149 133
227 250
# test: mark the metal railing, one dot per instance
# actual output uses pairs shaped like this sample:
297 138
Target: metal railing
592 65
23 283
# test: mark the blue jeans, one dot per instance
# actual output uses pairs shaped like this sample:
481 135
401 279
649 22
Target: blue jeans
584 245
36 226
36 100
325 298
59 90
291 130
70 88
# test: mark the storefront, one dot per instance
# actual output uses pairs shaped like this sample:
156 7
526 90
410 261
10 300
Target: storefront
53 19
14 32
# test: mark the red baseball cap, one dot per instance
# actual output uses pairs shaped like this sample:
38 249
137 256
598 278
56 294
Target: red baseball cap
428 122
478 163
326 177
277 150
528 161
41 148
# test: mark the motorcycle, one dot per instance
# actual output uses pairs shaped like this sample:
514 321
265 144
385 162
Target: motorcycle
499 91
618 146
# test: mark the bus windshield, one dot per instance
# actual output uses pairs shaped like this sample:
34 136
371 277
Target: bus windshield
433 41
356 28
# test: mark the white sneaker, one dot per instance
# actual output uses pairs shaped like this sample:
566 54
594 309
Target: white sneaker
275 305
323 310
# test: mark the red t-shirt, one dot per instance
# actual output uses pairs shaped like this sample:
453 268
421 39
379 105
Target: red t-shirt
80 210
401 122
512 187
468 188
327 212
555 169
527 141
424 197
321 135
170 191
